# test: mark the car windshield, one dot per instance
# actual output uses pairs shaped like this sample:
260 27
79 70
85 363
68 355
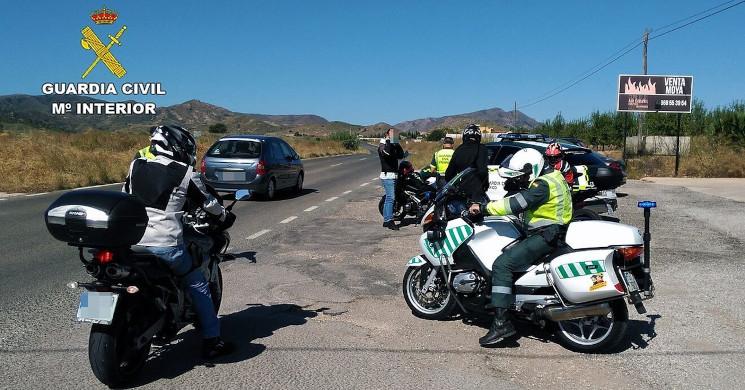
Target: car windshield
235 149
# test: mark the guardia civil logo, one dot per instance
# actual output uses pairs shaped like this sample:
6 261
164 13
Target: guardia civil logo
90 41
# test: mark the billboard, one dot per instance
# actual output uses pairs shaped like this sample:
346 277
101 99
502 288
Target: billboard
654 93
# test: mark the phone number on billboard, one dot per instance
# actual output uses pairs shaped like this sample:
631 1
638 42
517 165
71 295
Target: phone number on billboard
673 102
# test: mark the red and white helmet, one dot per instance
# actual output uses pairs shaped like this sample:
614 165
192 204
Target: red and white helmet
554 150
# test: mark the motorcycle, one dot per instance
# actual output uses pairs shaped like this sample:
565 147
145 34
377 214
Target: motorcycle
414 193
580 287
134 300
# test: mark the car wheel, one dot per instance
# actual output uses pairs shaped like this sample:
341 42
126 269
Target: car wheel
271 190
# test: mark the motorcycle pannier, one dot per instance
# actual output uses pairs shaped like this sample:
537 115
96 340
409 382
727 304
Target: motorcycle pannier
97 219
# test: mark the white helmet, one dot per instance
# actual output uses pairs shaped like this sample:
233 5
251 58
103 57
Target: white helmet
527 161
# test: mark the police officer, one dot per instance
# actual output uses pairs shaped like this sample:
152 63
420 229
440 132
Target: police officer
546 204
471 154
389 152
441 159
145 153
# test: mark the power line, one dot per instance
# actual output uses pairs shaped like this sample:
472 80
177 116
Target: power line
696 20
605 63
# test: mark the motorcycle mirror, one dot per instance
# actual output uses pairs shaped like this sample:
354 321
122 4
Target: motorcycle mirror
242 194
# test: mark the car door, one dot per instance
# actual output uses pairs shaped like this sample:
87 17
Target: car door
282 166
292 157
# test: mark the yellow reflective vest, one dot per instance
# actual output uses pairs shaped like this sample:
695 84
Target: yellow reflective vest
145 152
558 208
441 160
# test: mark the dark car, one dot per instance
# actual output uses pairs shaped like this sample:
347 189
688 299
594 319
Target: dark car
606 175
261 164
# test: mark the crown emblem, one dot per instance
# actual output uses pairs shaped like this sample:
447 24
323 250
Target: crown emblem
103 16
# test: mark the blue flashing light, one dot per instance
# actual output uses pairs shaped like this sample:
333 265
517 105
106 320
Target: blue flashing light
647 204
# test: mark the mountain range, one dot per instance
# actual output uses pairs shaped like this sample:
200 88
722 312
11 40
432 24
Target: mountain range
27 111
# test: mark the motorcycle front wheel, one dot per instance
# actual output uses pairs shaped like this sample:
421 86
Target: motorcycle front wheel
595 334
112 354
435 303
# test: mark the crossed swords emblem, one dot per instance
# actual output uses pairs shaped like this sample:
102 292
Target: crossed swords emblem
90 41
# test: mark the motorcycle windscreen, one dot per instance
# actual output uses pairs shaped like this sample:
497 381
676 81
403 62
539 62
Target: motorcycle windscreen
586 276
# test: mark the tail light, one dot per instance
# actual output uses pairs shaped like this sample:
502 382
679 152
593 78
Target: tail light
614 165
104 256
630 253
261 168
428 219
203 167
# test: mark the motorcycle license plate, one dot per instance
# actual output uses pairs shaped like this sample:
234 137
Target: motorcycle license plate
631 282
97 307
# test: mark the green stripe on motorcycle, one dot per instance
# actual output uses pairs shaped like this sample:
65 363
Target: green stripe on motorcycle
573 270
562 272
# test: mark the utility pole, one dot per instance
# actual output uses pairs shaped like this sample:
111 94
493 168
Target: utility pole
645 40
514 116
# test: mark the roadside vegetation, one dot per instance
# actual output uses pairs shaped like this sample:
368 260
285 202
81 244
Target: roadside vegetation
39 160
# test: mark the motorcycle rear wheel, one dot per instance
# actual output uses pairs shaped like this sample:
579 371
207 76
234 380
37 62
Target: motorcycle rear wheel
437 303
596 334
110 353
216 290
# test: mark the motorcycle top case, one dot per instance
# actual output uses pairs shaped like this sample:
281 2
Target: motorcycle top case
97 219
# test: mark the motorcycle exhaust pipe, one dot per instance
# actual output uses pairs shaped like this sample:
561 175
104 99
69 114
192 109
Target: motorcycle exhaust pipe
558 313
116 272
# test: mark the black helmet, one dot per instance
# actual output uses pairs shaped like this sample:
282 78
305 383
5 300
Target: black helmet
472 133
174 142
448 141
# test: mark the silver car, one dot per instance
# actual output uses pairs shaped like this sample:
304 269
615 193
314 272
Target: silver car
261 164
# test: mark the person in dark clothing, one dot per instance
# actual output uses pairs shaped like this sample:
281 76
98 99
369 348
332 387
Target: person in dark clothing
471 154
389 151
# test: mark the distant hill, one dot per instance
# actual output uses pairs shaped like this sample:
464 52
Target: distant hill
27 111
35 111
493 117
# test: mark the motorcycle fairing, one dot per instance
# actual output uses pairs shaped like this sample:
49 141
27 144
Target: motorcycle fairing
457 232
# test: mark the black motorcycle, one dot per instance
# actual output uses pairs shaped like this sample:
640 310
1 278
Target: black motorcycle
133 300
413 194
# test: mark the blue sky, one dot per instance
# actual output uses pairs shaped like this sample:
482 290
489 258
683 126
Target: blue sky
365 62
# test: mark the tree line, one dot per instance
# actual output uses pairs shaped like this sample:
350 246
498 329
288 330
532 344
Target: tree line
726 123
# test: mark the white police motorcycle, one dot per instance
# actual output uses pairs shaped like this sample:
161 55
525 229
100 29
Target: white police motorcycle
581 287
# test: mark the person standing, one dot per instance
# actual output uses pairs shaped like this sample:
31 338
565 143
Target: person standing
471 154
389 152
441 160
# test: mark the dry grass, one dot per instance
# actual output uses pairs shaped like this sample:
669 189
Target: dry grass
708 158
37 161
420 153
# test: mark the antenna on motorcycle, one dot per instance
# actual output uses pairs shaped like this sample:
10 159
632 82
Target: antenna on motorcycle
647 205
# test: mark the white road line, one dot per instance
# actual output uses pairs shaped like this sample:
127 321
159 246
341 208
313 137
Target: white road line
3 198
258 234
364 184
100 185
40 193
347 192
311 208
378 187
375 180
335 165
363 159
289 219
331 199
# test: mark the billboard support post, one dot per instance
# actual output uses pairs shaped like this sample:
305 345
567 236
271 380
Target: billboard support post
677 148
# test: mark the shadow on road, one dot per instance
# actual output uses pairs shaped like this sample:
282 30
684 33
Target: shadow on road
242 328
248 255
638 333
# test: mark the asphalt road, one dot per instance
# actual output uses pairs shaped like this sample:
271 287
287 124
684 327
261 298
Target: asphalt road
316 303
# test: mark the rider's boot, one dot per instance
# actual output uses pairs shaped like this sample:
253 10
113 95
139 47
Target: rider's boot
500 328
215 347
390 225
